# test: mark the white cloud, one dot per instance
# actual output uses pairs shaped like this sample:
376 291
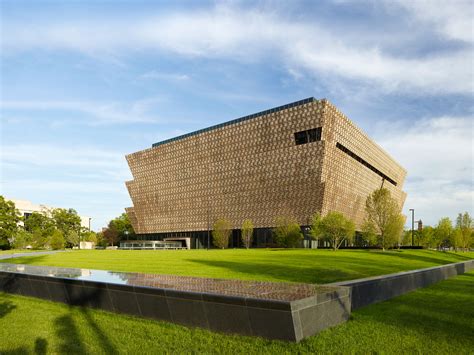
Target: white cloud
154 74
257 34
438 155
95 113
52 156
86 178
451 19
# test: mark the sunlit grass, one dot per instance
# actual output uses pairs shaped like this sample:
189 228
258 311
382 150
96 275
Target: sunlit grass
294 265
17 251
434 320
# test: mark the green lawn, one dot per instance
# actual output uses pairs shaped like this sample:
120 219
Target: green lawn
434 320
294 265
17 251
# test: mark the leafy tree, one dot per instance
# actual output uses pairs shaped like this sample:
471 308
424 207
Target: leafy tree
315 230
22 239
41 228
464 224
111 235
123 227
69 223
247 233
39 239
369 233
427 237
101 241
39 221
335 228
287 232
406 239
73 238
89 236
57 240
443 232
456 238
221 232
9 218
394 232
383 212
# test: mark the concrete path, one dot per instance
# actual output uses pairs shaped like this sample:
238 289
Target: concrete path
35 253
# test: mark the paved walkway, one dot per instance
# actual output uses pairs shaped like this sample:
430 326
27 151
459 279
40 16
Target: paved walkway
35 253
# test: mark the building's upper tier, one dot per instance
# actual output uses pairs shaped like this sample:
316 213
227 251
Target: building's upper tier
237 120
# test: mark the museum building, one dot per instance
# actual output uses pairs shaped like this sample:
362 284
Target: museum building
292 161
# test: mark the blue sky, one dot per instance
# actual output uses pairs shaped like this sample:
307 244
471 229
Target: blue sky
85 82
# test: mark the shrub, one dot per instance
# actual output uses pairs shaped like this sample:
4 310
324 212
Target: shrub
287 232
334 227
221 233
247 233
22 239
57 240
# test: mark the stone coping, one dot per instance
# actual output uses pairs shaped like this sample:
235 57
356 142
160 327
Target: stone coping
259 290
285 311
375 289
468 264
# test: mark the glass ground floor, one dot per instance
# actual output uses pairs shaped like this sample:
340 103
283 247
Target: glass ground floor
262 238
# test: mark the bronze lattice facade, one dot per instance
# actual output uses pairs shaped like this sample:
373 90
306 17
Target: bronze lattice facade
292 160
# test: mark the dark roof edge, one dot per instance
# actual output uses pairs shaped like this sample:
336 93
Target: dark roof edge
237 120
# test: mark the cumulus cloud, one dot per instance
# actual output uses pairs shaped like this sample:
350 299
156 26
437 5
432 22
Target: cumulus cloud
52 156
154 74
95 113
451 19
228 31
87 178
438 155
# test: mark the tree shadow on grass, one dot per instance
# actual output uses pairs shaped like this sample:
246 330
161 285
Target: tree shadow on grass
23 350
68 333
432 259
25 260
282 272
65 325
6 307
104 342
444 310
41 347
316 268
71 341
458 256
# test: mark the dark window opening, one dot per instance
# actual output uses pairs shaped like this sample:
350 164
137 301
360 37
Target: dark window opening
314 134
301 138
308 136
365 163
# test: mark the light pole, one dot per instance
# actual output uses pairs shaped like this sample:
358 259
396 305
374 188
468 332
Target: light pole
412 226
208 226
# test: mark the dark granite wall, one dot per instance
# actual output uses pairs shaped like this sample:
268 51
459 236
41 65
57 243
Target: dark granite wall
380 288
273 319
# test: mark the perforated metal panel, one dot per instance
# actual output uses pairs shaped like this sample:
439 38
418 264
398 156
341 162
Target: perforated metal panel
252 168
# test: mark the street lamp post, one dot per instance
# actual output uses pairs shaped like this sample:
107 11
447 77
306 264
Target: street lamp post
208 226
412 226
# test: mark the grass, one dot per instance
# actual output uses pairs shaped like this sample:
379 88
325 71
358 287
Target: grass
293 265
433 320
17 251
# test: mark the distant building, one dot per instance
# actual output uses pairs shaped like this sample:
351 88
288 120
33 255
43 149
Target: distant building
26 208
86 245
293 160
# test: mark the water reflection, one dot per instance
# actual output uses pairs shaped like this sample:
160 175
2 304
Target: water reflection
242 288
